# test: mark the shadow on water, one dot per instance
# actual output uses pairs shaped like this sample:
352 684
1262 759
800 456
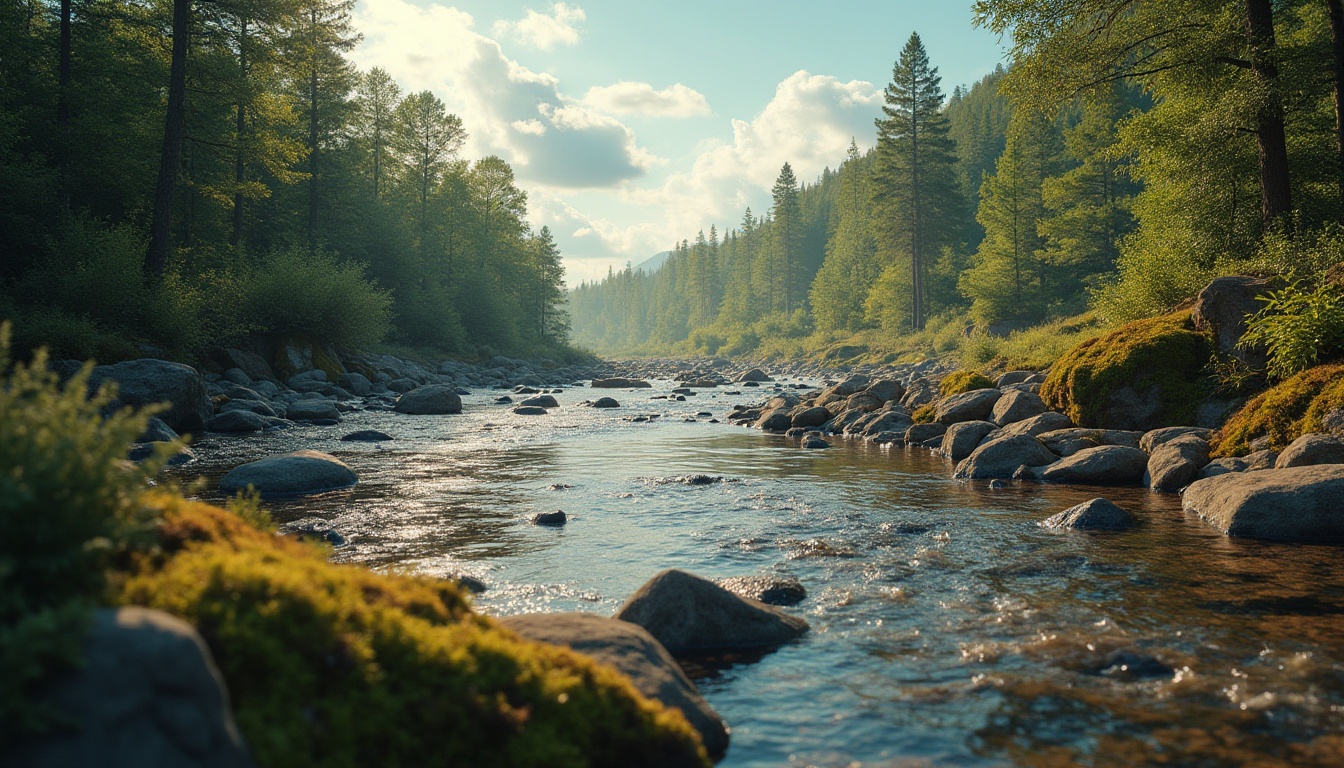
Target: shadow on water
948 627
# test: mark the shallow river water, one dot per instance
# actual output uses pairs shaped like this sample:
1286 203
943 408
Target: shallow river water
948 628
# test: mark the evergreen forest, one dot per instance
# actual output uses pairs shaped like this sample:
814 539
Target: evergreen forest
177 174
1130 152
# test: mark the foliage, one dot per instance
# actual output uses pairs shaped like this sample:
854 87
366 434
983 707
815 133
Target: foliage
924 414
1038 348
336 665
1164 353
312 294
1298 327
963 381
68 503
1283 413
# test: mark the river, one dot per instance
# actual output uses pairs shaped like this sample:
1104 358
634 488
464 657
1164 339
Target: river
948 628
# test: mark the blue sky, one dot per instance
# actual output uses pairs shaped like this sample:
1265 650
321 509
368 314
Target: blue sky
633 123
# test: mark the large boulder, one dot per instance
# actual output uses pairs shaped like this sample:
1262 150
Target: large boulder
961 439
1296 504
1067 442
1157 437
840 391
1016 405
1176 463
148 381
236 421
920 392
813 416
356 383
754 374
147 695
620 383
1103 465
429 400
881 421
975 405
249 362
917 434
1309 450
633 652
1221 309
1013 377
775 420
886 390
1094 515
1038 425
1000 458
542 401
1141 376
863 401
688 614
312 410
294 474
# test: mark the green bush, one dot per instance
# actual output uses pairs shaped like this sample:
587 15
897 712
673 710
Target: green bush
67 504
963 381
294 292
1165 355
1299 327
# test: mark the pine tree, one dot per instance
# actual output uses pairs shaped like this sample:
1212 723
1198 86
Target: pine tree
378 98
788 230
914 185
425 137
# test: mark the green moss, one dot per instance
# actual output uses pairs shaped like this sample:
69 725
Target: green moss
963 381
924 414
1285 412
1164 351
338 666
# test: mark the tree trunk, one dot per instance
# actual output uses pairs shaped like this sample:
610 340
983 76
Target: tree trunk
1337 66
240 125
1276 202
174 127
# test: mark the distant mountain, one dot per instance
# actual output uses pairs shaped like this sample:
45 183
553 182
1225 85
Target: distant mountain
651 264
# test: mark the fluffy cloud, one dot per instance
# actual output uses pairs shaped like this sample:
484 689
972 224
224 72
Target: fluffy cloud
627 98
544 32
508 110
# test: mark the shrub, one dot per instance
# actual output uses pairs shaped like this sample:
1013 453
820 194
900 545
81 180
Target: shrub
978 349
336 665
1285 412
963 381
294 292
1163 356
67 503
1037 348
924 414
1298 327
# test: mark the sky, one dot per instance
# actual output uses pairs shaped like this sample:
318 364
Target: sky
634 124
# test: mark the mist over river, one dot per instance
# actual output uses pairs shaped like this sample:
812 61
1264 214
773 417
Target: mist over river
948 628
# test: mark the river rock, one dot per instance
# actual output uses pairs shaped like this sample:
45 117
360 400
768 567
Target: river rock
1000 458
1095 515
255 406
606 402
1037 425
843 389
556 518
920 392
1155 437
146 695
632 651
1312 449
542 401
1067 442
1016 405
1103 465
402 385
961 439
775 420
688 614
1176 463
156 431
814 441
881 421
863 401
312 410
530 410
366 436
294 474
1300 504
886 390
771 590
975 405
813 416
250 363
148 381
1013 377
357 383
237 376
236 421
753 375
1222 467
620 383
917 434
432 399
1222 307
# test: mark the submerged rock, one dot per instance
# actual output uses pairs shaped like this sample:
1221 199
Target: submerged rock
771 590
367 436
688 614
556 518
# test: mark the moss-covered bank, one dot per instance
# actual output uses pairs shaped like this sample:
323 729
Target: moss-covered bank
1283 413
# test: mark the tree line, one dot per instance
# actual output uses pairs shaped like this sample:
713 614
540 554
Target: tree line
1131 150
187 152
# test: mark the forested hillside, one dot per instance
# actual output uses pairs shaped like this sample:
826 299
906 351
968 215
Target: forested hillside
176 174
1130 152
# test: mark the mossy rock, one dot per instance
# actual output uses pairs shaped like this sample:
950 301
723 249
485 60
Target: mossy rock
1143 375
1283 413
296 354
335 665
924 414
963 381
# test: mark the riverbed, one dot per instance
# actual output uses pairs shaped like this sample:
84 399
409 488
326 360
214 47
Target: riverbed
948 628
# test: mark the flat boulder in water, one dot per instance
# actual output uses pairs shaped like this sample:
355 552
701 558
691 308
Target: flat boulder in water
620 383
1103 465
633 652
541 401
688 614
367 436
430 400
312 410
605 402
530 410
1296 504
1094 515
294 474
236 421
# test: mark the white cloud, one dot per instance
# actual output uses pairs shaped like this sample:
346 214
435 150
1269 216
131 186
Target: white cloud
627 98
539 30
507 109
